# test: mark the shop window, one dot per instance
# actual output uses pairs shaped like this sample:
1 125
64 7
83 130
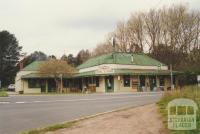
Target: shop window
33 83
142 81
126 80
97 81
66 83
162 81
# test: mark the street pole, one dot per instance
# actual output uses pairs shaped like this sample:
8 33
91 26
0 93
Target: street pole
61 86
172 85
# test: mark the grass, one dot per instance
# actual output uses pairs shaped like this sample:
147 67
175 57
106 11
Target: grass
190 92
50 128
3 93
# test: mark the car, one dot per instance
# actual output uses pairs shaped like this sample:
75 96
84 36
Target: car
11 87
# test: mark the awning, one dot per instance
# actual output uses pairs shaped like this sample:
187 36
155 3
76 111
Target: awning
39 75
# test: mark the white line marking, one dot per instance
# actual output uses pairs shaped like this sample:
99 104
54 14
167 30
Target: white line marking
74 100
4 102
20 102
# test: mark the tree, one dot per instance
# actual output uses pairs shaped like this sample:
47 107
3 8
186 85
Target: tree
9 57
52 57
36 56
71 60
82 56
64 57
57 69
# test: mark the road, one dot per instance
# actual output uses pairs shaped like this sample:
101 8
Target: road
21 113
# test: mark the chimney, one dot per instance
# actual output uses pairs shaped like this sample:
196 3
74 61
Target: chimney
21 65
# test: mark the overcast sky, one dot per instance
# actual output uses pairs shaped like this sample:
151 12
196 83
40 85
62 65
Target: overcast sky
67 26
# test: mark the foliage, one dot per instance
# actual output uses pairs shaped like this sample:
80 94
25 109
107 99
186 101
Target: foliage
191 92
36 56
57 69
9 57
170 35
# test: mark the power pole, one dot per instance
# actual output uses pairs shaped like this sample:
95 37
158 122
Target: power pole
171 73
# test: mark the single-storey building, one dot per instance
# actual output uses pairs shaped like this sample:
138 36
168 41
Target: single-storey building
114 72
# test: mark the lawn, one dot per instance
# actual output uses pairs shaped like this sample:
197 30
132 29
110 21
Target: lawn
3 93
190 92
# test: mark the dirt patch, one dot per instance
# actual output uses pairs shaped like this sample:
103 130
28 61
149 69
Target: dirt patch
140 120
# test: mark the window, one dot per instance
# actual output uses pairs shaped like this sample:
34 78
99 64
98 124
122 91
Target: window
97 81
66 83
126 80
162 81
34 83
142 81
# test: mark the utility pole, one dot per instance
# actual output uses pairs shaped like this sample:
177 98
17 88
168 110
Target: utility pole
172 84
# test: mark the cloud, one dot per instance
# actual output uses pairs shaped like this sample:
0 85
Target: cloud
58 26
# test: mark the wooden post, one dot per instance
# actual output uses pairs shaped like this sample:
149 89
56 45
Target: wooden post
61 84
46 86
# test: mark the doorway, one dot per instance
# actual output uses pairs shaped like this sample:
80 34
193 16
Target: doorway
43 85
152 81
109 84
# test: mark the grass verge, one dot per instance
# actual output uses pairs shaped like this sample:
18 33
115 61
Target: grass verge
190 92
3 94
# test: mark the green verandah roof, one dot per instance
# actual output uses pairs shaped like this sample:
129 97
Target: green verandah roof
121 58
39 75
116 72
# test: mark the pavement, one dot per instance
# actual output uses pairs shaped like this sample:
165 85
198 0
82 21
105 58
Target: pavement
24 112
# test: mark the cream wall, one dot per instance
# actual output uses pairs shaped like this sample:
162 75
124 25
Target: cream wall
29 90
18 80
119 84
101 88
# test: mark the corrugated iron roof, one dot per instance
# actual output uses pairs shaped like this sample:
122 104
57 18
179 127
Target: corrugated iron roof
121 58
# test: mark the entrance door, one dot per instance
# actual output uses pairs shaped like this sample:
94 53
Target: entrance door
51 85
109 84
152 81
43 86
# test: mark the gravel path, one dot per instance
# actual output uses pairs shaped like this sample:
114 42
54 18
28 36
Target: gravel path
139 120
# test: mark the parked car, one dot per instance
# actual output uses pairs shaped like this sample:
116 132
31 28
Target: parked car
11 87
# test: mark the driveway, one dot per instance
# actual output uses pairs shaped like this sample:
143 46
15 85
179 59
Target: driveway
20 113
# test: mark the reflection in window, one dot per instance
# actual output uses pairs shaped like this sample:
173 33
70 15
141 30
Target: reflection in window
126 80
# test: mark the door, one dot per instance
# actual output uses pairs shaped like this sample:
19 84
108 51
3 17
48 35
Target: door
152 81
109 84
43 86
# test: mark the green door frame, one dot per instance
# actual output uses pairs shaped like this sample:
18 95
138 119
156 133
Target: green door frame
109 84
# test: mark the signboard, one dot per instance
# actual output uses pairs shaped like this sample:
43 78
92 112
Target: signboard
198 78
104 70
182 114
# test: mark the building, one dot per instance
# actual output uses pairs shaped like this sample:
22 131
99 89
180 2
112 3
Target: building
114 72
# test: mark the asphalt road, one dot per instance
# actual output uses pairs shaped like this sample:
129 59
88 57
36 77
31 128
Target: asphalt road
21 113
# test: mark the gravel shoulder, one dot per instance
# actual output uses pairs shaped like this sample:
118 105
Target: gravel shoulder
139 120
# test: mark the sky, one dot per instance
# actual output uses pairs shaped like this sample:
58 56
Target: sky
66 26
